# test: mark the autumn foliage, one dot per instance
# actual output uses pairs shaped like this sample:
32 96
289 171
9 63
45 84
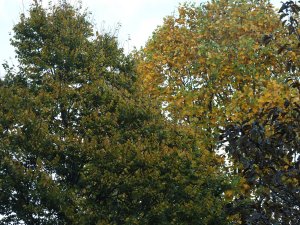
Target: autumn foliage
201 126
228 70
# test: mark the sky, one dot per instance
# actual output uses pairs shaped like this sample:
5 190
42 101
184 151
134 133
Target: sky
138 19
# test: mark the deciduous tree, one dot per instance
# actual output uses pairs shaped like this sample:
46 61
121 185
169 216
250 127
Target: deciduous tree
265 149
79 145
231 64
204 57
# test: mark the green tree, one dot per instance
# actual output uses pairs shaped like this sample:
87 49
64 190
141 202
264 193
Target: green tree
80 144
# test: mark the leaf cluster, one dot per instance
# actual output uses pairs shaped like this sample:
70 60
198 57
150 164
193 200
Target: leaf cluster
81 145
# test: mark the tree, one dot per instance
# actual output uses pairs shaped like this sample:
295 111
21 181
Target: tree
230 66
290 41
265 149
205 57
80 145
265 144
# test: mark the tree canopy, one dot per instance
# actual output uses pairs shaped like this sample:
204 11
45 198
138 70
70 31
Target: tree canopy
201 126
81 145
228 70
203 60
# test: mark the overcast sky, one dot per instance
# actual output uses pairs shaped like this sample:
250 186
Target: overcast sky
138 18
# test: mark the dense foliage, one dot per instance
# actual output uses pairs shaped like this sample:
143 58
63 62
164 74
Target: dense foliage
200 61
265 150
199 127
228 69
80 145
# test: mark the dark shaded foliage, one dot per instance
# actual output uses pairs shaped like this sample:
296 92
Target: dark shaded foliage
266 151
